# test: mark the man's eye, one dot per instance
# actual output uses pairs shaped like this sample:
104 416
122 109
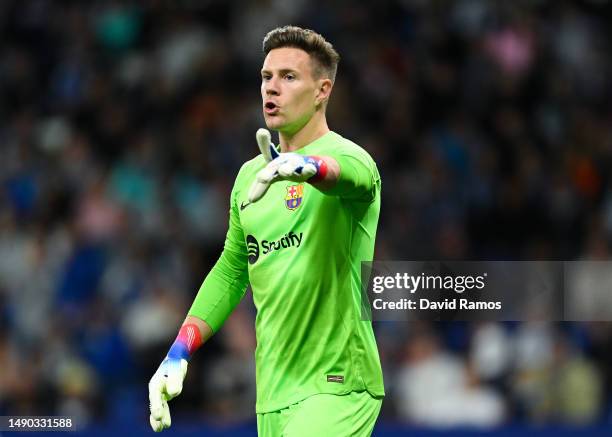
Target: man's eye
289 77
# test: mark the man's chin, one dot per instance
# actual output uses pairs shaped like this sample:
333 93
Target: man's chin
274 124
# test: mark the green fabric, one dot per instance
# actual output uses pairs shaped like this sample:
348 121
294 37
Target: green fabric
353 414
304 270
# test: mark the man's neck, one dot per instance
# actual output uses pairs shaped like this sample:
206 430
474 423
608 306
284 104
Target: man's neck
314 129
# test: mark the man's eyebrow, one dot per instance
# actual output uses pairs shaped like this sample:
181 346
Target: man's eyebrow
281 71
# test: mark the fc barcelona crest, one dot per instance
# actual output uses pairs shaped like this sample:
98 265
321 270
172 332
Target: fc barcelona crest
295 194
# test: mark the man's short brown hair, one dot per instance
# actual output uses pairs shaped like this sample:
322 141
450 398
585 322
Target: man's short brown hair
322 52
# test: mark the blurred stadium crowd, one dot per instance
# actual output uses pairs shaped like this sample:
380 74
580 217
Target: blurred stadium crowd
123 124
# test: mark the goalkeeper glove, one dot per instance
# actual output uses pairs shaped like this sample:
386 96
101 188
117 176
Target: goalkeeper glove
283 166
167 382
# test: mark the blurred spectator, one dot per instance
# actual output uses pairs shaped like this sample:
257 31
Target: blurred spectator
491 352
434 388
575 389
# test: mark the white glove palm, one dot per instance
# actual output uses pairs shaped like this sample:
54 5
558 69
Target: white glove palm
166 384
281 166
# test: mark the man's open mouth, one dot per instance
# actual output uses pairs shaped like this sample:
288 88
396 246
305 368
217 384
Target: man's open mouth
270 108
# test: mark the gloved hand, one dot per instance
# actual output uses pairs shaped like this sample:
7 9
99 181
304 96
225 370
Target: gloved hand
282 166
166 384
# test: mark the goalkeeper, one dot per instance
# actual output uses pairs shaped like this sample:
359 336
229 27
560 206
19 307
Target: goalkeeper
300 223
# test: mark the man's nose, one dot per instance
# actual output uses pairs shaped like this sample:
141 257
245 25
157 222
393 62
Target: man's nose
271 87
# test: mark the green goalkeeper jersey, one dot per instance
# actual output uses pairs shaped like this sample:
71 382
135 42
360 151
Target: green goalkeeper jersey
301 250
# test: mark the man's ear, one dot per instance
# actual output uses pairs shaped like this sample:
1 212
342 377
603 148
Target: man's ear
324 87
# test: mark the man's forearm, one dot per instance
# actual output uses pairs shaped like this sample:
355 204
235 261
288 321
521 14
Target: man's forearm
329 180
221 291
348 176
205 331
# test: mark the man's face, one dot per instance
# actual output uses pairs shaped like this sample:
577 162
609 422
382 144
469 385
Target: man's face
288 89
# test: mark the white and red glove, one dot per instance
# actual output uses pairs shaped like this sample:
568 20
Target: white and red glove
283 166
167 382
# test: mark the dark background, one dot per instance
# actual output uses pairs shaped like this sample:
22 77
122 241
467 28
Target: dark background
123 125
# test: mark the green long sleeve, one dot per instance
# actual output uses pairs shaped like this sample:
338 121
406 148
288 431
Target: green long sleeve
225 285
